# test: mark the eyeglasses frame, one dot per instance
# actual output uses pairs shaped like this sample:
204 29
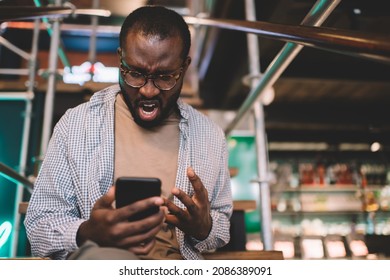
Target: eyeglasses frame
125 70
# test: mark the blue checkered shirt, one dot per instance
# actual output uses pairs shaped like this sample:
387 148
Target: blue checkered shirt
79 168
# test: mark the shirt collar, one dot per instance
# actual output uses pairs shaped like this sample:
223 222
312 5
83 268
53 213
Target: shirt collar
183 108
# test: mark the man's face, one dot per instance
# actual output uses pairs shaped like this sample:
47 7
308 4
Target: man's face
149 55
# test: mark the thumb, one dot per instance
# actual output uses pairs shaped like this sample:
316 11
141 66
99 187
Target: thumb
106 200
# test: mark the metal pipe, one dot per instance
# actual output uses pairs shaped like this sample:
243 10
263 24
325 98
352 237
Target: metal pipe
261 149
51 85
26 135
14 48
369 46
26 12
92 40
8 71
77 29
317 15
8 13
16 95
13 176
320 11
61 53
211 43
34 56
93 12
198 9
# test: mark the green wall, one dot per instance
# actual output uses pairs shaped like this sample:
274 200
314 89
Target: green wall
11 128
242 155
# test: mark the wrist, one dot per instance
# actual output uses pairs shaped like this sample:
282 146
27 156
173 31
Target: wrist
81 235
205 233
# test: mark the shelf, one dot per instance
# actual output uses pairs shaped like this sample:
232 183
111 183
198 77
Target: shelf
326 188
301 213
244 205
341 212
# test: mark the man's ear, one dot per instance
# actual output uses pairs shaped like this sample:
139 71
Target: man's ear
119 51
187 62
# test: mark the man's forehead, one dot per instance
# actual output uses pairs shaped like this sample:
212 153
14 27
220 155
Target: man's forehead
142 44
155 37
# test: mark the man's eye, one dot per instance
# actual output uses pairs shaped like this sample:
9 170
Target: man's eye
135 74
165 78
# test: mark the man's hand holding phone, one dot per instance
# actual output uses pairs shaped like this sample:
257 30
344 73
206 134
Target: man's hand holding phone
131 189
110 227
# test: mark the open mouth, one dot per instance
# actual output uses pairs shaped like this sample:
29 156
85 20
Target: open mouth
148 110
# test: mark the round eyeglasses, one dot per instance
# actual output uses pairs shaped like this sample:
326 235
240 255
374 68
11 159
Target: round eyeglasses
137 79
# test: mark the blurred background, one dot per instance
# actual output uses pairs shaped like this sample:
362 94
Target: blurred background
326 118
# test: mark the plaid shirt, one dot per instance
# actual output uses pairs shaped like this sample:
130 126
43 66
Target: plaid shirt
79 168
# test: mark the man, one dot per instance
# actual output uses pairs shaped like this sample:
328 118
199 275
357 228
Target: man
139 128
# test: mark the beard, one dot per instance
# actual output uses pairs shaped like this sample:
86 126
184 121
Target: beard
165 109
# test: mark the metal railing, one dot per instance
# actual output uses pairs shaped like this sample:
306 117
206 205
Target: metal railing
367 46
14 13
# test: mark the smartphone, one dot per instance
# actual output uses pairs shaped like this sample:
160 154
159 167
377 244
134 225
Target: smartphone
131 189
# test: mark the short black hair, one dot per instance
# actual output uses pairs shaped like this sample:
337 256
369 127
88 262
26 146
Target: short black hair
157 20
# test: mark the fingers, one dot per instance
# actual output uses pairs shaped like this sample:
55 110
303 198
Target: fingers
135 233
199 199
140 227
192 204
197 184
172 220
175 213
106 200
185 199
108 226
125 212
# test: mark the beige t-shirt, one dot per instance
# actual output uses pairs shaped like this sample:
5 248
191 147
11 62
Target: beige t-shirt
152 152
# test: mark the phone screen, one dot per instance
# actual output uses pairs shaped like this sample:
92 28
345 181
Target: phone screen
131 189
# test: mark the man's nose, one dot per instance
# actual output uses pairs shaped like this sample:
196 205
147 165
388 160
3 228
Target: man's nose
149 90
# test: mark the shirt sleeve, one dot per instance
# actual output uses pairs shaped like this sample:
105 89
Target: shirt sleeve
52 218
221 209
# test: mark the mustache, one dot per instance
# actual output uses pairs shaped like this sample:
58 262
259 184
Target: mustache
156 100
